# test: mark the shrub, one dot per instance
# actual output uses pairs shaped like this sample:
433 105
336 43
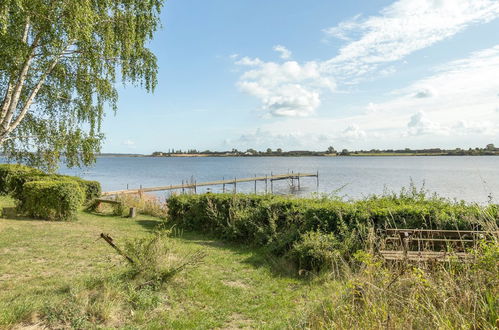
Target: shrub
91 189
154 262
13 177
51 200
316 250
289 225
419 296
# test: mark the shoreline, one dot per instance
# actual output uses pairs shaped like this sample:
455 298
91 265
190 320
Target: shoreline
295 156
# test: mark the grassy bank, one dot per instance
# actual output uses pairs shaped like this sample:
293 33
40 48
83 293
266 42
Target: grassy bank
50 272
60 274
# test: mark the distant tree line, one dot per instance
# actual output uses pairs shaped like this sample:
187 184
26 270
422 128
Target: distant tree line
490 149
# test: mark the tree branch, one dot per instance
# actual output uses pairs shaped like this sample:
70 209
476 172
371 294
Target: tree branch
6 100
8 96
19 86
31 98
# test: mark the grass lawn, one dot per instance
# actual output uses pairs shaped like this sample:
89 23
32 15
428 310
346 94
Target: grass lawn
45 264
62 275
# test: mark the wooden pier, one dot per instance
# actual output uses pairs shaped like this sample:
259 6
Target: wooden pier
268 179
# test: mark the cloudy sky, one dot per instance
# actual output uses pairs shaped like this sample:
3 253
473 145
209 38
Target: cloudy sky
290 74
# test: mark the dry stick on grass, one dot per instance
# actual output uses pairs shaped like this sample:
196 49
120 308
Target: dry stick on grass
109 240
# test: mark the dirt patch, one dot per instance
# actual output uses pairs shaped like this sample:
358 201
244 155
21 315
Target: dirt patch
33 323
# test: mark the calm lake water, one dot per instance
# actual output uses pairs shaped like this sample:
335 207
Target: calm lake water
472 179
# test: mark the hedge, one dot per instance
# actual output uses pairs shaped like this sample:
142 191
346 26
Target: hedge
288 226
59 203
51 200
13 177
91 189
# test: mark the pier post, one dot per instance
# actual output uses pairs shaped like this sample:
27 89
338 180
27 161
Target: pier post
183 191
317 181
223 185
255 183
235 185
195 190
266 189
271 183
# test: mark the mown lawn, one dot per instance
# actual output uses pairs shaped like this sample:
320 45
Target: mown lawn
43 264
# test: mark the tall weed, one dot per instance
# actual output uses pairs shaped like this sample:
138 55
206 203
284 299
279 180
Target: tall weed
132 290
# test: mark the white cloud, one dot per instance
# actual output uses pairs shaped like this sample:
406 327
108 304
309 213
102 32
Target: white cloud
372 43
129 143
353 132
424 93
466 127
420 124
292 100
283 51
407 26
372 108
287 89
344 30
247 61
460 107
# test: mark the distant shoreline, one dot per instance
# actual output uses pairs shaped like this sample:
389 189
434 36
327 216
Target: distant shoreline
285 156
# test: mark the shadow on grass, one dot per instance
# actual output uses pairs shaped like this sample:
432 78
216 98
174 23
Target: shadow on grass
10 213
257 257
149 224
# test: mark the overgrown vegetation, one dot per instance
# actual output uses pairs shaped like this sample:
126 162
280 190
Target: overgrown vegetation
133 287
423 296
304 264
145 204
59 275
46 196
316 232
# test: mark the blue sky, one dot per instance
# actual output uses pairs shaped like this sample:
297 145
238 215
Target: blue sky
306 75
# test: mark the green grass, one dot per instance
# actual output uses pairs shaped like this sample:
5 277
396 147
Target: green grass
43 263
61 275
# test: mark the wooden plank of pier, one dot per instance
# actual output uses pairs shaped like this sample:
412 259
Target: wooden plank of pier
271 178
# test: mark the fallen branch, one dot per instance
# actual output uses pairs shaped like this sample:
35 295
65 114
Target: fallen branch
109 240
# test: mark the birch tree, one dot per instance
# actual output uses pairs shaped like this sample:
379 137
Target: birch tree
59 64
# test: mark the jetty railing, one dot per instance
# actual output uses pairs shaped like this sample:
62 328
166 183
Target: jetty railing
268 179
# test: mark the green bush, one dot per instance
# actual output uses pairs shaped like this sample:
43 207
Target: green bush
13 177
316 250
284 224
91 189
51 200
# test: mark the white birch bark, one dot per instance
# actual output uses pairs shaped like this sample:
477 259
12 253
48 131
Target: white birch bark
9 127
